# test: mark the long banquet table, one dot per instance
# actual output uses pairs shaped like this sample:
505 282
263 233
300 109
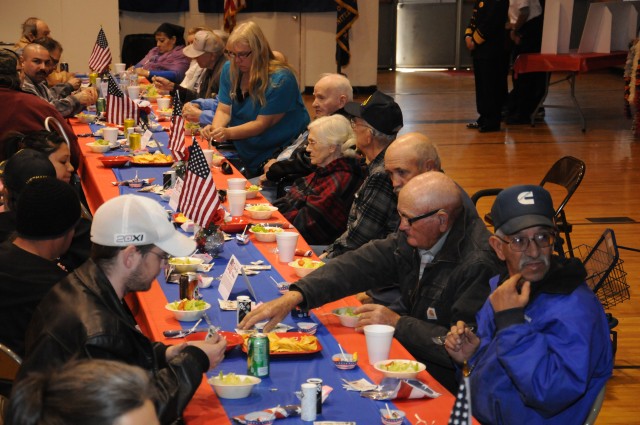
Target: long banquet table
287 372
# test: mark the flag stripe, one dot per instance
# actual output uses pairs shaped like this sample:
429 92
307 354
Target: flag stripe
176 131
199 198
119 105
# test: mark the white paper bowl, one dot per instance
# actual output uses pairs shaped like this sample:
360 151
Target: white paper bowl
405 374
233 391
302 271
397 417
188 315
260 215
345 362
267 236
185 264
346 319
95 147
252 193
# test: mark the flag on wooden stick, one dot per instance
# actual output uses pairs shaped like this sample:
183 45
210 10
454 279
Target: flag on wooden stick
176 132
119 105
199 198
100 58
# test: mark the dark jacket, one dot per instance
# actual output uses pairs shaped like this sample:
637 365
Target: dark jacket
82 317
453 287
486 28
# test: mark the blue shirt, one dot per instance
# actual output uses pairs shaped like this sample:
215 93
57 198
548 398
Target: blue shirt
282 97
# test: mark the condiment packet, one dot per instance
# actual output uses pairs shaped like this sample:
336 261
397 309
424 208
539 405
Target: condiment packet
231 304
359 385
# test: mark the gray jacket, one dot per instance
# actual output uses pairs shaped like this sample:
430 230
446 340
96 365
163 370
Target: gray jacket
59 96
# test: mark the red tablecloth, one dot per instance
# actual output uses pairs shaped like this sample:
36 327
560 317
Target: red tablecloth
571 62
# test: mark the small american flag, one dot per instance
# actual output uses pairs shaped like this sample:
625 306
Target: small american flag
199 198
176 132
101 55
231 9
461 412
119 106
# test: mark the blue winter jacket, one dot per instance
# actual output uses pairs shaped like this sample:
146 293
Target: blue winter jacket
546 363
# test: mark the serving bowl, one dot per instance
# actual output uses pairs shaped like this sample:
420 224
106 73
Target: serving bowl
267 236
114 161
346 316
260 211
188 315
344 361
396 417
406 369
98 148
304 266
259 418
86 118
234 391
185 264
234 225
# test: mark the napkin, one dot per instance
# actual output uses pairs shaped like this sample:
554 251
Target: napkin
359 385
407 389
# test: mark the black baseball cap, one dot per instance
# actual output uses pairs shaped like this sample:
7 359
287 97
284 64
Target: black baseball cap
380 111
520 207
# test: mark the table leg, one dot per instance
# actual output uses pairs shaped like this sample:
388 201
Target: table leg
572 83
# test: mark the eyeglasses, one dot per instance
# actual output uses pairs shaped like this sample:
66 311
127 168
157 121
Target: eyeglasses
521 243
163 257
420 217
239 55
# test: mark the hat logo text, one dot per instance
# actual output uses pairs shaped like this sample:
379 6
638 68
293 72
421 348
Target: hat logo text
130 238
526 198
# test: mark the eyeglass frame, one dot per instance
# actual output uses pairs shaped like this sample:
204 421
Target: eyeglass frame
355 123
163 258
412 220
239 55
551 236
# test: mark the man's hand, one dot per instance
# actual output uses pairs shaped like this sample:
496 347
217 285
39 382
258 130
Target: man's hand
508 296
461 343
162 83
191 112
323 256
470 44
375 314
273 311
214 349
268 164
75 82
173 351
87 96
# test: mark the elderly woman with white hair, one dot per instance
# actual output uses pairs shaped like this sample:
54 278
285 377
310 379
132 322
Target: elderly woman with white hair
318 204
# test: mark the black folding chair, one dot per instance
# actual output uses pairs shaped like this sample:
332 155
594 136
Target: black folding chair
567 172
135 47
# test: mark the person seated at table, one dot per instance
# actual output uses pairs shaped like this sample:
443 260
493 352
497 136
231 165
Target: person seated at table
33 111
318 204
373 214
97 392
58 80
166 59
85 314
192 76
36 67
56 149
260 108
331 92
542 350
14 175
200 102
440 257
32 29
29 266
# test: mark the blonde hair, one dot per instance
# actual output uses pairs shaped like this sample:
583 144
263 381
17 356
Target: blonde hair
263 61
335 130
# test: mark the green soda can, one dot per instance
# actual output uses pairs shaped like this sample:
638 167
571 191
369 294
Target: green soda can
258 355
101 105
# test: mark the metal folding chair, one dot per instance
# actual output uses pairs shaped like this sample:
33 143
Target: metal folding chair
566 172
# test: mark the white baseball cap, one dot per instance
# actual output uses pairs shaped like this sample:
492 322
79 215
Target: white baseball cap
137 220
203 42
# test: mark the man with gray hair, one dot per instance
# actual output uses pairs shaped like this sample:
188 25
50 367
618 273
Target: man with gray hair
373 215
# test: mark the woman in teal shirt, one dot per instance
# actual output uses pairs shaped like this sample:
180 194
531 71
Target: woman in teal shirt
260 108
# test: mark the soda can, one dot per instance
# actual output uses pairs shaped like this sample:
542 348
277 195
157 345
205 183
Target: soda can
299 313
168 179
135 141
189 286
93 79
258 355
244 306
101 105
128 123
64 67
318 383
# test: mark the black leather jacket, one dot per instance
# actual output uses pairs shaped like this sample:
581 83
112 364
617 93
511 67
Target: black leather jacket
82 317
453 287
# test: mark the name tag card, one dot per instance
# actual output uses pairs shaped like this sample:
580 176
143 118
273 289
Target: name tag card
175 194
146 137
228 279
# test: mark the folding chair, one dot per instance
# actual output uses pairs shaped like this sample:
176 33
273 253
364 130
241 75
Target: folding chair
9 364
566 172
135 47
595 408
